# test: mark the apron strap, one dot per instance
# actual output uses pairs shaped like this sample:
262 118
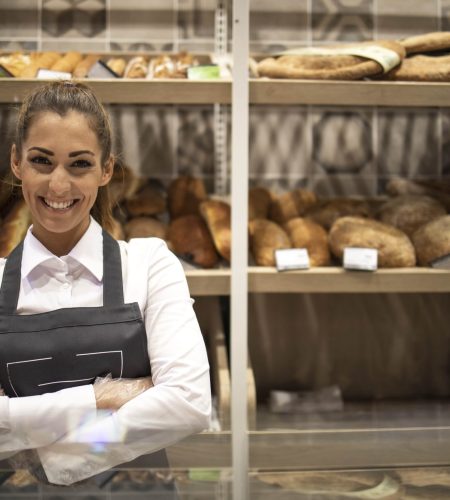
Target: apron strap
112 277
9 291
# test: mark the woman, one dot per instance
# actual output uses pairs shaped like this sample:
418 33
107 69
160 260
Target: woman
76 305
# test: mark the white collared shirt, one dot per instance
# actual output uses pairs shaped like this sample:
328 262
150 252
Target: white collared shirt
74 440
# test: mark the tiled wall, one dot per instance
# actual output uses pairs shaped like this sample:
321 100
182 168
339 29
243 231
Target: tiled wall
332 150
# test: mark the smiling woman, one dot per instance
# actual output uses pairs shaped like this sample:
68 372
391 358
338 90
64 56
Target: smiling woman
114 310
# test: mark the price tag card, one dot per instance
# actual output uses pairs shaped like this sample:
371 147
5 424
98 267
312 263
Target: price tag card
4 73
291 258
101 70
47 74
361 259
441 263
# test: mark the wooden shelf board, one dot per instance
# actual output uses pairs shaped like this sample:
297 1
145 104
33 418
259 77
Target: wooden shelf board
129 91
354 93
209 281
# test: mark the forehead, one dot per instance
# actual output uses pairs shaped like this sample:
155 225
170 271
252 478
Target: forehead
48 129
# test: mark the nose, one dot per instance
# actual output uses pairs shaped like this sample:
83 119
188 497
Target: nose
59 182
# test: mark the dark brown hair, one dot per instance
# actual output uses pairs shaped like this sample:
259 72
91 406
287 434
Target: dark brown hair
61 97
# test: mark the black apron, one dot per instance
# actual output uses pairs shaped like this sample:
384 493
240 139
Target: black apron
68 347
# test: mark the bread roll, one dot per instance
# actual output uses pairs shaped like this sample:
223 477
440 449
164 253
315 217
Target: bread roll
410 211
327 211
68 62
290 205
217 215
14 227
136 68
394 247
185 195
266 237
432 240
145 227
259 200
82 68
190 239
305 233
117 64
148 200
42 61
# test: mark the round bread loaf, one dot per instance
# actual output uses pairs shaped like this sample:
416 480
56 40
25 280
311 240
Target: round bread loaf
150 199
191 240
327 211
394 247
145 227
259 200
409 212
217 215
185 194
432 240
266 237
305 233
290 205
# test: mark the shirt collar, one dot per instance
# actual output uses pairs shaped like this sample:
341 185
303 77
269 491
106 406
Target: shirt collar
88 251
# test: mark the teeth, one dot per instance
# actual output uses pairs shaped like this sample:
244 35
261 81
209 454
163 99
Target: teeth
59 205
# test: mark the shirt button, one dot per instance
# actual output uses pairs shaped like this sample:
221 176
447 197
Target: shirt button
66 286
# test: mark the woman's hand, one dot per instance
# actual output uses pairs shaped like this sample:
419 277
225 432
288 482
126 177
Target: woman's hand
111 394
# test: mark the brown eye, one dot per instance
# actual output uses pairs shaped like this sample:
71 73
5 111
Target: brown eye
82 164
41 160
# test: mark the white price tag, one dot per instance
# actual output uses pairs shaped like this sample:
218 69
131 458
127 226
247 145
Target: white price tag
441 263
361 259
47 74
291 258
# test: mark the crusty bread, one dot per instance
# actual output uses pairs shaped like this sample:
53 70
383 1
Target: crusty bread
259 200
290 205
68 62
44 60
394 247
397 186
145 227
265 237
117 64
432 240
427 42
82 68
14 227
217 215
190 239
327 211
185 194
410 211
305 233
136 67
422 68
148 200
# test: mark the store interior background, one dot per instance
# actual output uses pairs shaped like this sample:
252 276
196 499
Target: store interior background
374 347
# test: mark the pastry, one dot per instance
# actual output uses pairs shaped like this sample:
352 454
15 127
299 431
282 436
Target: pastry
190 240
14 227
259 200
117 64
68 62
44 60
145 227
409 212
427 42
432 240
394 247
327 211
184 196
305 233
170 65
148 200
292 204
266 237
217 215
82 68
136 67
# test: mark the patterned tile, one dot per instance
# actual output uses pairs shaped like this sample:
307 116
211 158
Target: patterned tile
400 19
281 21
342 142
445 14
343 185
17 45
141 46
342 20
138 20
196 18
19 18
81 45
408 143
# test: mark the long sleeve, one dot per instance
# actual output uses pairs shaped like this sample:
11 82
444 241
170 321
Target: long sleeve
178 405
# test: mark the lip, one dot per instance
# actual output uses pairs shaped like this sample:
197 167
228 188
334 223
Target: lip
43 202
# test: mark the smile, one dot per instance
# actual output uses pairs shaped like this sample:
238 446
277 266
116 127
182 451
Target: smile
59 205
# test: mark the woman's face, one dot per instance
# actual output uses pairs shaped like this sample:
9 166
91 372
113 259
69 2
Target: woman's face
60 169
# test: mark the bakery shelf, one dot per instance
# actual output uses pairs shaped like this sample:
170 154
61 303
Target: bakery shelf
129 91
354 93
209 282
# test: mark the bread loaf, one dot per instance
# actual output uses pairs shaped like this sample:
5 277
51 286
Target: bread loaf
117 64
184 196
148 200
266 237
398 186
217 215
41 61
409 212
14 227
305 233
394 247
67 63
191 240
259 200
427 42
145 227
136 67
327 211
422 68
290 205
82 68
432 240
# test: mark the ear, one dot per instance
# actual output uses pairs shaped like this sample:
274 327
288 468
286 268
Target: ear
107 171
15 162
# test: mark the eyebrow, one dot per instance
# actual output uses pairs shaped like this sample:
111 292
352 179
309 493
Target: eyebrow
81 152
42 150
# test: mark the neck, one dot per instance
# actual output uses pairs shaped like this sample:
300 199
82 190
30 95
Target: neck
59 244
